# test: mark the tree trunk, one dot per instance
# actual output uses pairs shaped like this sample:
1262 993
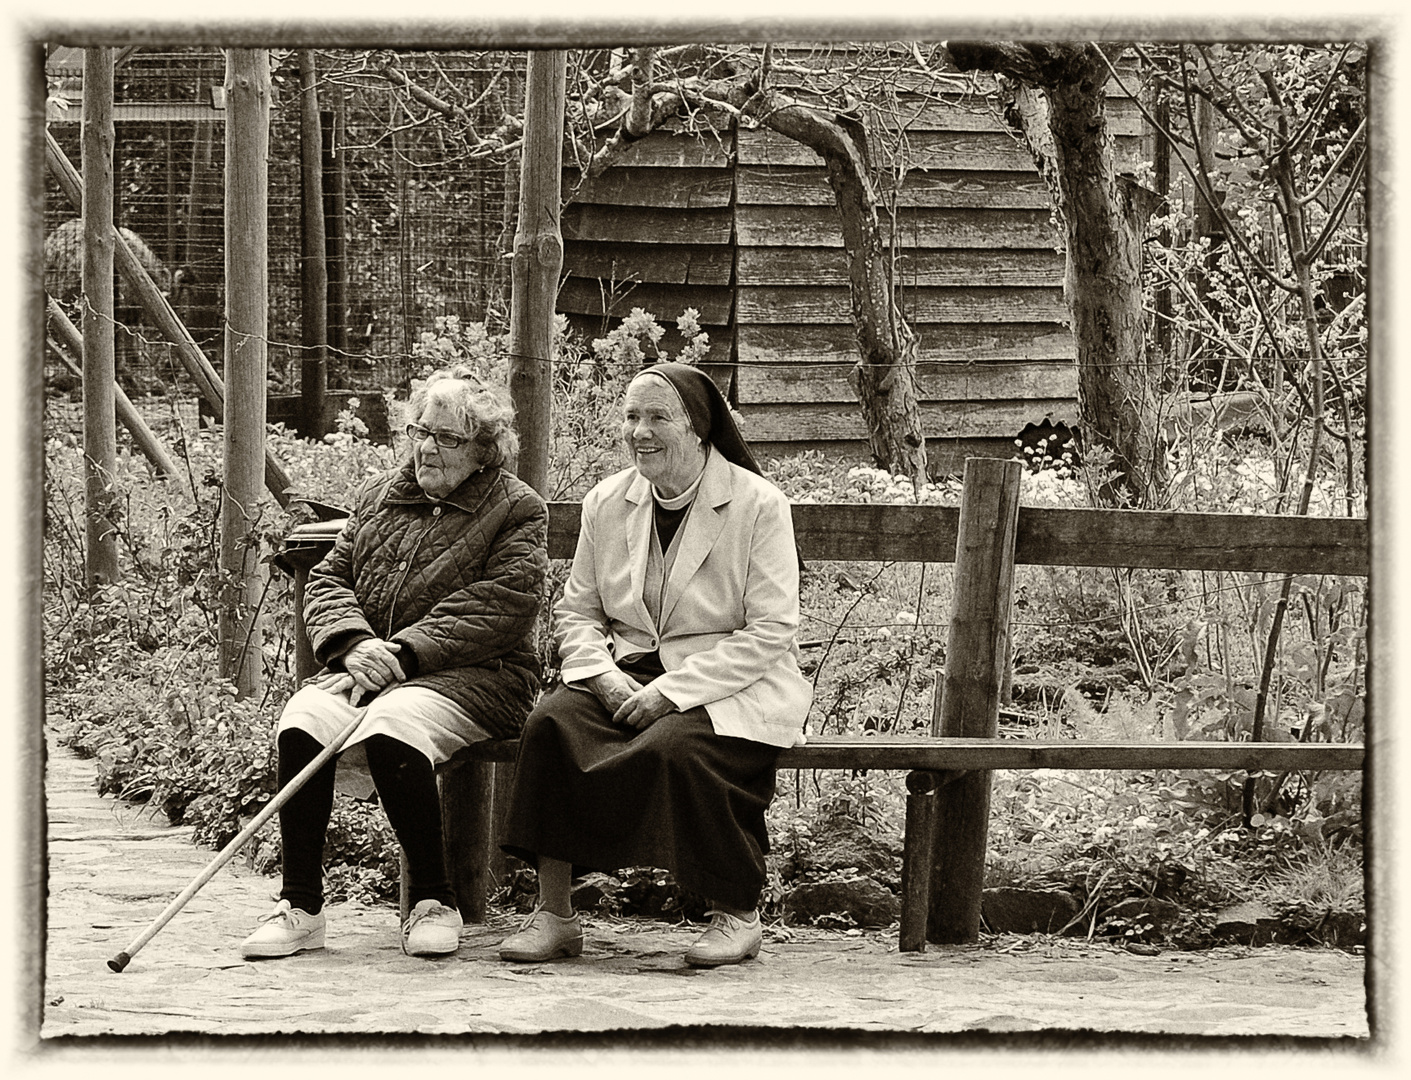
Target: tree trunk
1060 107
885 376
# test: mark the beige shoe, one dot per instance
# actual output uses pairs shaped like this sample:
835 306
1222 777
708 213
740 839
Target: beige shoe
432 929
727 940
286 931
544 936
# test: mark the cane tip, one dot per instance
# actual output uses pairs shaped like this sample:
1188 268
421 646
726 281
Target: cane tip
120 961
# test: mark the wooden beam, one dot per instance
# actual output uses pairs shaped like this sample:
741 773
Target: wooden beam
1155 539
877 532
959 754
1054 537
899 752
977 653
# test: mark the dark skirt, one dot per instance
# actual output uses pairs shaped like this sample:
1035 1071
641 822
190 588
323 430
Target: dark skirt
675 795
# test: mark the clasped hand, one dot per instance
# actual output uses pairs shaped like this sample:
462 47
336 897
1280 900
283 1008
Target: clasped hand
632 704
369 666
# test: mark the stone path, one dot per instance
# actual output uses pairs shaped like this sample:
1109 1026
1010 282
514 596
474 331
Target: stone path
112 870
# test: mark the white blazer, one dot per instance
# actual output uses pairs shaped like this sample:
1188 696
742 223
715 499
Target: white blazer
730 614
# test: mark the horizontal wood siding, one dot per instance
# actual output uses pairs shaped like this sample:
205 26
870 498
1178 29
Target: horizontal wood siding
655 231
742 226
938 381
980 268
924 266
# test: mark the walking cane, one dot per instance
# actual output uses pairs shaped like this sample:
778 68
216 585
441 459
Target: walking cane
231 849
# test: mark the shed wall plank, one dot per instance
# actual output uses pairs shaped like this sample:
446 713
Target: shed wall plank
830 344
817 226
802 304
915 266
780 383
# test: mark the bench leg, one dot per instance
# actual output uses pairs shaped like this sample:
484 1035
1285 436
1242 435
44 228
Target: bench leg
917 851
467 826
958 872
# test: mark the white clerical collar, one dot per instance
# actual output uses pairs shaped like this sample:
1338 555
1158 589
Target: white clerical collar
684 499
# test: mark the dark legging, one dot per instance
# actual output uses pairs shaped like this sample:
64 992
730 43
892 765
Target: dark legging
406 784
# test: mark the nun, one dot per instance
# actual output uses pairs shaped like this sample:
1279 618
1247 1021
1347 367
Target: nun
679 678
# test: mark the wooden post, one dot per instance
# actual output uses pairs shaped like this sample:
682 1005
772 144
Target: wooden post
470 831
976 652
247 326
474 798
100 436
159 310
916 860
538 259
313 369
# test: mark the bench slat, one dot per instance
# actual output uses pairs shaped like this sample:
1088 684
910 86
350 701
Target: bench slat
902 752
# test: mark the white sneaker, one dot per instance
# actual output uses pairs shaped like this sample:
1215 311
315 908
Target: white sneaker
432 929
286 931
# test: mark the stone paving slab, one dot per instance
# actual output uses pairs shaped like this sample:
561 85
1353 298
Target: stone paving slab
112 869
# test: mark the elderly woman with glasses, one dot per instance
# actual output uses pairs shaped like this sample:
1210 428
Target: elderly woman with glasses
680 677
423 617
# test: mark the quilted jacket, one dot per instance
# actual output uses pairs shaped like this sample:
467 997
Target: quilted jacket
456 582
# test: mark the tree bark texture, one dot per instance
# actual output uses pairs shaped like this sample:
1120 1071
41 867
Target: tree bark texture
1059 104
247 331
99 349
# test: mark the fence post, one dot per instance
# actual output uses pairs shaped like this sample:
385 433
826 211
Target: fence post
100 435
248 87
976 653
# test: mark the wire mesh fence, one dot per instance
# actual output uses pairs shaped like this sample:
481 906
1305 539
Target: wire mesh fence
413 227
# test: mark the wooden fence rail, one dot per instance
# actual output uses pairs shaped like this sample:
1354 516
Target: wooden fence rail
876 532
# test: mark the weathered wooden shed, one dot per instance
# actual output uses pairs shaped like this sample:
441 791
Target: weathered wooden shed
739 223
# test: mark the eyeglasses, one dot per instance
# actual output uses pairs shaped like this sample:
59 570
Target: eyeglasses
445 439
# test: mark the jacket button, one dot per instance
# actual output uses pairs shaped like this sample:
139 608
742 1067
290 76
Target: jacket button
435 511
402 565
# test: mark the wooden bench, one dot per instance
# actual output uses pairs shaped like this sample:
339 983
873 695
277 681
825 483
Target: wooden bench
948 783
